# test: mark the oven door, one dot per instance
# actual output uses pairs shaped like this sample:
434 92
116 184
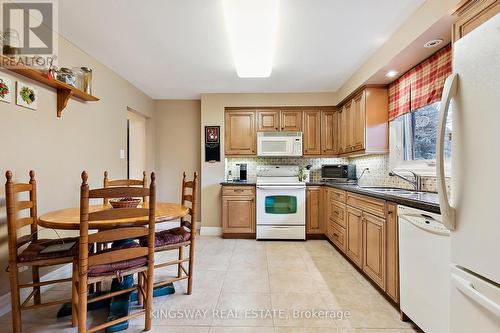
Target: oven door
281 205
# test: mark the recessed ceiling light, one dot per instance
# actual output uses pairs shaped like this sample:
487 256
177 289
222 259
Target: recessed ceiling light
391 74
433 43
252 26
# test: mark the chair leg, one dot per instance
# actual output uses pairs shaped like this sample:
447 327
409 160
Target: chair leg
15 299
74 296
82 304
98 285
149 299
140 285
181 257
191 268
35 272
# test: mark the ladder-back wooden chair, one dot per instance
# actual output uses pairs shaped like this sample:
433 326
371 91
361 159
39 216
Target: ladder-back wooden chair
128 258
125 183
27 250
180 237
119 183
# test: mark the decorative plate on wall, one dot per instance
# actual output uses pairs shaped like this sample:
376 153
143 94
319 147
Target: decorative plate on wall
5 90
26 95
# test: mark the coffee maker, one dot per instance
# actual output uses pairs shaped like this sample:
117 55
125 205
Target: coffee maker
243 172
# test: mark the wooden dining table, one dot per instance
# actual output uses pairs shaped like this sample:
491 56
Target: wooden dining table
69 219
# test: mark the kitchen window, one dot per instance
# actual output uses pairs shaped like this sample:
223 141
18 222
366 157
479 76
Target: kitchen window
413 139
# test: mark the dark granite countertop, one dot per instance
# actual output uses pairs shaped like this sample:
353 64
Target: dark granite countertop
238 183
426 200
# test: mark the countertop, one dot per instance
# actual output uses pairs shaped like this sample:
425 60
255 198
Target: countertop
428 201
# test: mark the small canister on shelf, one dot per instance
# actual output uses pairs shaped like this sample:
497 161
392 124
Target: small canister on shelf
87 80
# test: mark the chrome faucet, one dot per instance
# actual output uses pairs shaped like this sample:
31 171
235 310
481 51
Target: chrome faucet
416 183
362 173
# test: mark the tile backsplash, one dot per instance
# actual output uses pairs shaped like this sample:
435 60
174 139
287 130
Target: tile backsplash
377 176
252 163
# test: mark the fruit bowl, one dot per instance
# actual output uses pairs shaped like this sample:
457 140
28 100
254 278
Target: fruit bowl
125 203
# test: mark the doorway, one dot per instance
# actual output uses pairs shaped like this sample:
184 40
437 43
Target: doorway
136 144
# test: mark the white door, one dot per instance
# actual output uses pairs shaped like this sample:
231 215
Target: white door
473 210
136 145
475 303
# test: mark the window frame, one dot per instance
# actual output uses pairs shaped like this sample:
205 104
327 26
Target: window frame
397 152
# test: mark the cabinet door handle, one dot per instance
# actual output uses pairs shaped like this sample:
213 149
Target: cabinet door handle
238 190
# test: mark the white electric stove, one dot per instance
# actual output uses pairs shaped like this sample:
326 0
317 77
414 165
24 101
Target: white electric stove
281 203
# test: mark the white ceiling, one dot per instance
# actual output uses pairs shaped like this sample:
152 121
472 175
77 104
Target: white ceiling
178 49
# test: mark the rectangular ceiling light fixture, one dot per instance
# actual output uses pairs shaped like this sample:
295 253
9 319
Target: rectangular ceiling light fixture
252 26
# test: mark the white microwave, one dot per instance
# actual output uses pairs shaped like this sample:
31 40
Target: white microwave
279 143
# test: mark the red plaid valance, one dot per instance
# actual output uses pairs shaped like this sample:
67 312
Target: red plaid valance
420 86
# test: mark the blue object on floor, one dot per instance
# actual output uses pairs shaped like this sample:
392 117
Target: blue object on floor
157 292
120 305
65 309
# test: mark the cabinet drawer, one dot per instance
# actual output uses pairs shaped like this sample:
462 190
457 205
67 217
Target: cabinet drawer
338 213
338 236
337 195
366 204
238 190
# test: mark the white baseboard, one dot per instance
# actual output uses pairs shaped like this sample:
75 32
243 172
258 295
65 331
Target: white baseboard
60 273
211 231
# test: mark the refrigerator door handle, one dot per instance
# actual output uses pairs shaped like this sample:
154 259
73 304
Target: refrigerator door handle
468 289
447 212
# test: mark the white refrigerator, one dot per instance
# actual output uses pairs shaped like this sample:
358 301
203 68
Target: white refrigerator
472 212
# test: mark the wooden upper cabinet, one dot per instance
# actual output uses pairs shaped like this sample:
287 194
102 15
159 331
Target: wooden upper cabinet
343 126
472 14
268 121
363 122
275 120
329 127
291 120
240 134
358 121
312 132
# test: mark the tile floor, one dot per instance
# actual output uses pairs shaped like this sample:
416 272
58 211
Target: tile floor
250 286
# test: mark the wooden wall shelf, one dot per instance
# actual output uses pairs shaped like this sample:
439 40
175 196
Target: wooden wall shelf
64 91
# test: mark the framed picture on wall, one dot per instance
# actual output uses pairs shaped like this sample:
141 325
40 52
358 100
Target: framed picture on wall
212 144
26 95
212 134
5 90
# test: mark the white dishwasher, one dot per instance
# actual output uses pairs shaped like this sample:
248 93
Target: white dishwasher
424 269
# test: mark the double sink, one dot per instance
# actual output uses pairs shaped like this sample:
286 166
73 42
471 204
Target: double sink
399 192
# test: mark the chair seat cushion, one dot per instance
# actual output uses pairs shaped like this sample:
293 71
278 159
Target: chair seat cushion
116 268
172 236
32 252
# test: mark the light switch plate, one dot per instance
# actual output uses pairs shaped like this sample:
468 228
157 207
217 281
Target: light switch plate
122 154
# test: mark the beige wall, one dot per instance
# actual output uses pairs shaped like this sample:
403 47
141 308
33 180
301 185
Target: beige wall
177 145
419 22
212 114
88 136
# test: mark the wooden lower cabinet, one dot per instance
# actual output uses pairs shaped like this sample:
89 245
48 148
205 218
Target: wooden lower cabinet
238 211
354 228
374 250
392 253
314 210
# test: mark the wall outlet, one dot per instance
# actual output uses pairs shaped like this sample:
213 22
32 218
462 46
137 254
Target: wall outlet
122 154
